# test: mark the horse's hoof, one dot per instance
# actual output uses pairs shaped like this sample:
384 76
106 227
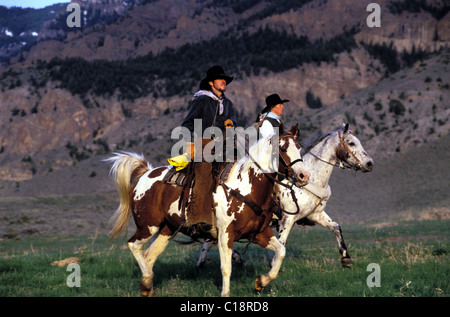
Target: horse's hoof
199 266
146 288
238 263
148 293
346 262
258 283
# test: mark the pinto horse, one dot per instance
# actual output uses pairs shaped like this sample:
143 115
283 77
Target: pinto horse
242 206
320 157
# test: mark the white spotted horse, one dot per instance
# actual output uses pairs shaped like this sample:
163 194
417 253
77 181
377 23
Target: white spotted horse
308 202
243 206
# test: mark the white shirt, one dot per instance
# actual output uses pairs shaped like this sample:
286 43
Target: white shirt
266 128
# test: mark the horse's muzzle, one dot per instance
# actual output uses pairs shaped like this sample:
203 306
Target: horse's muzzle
302 178
367 166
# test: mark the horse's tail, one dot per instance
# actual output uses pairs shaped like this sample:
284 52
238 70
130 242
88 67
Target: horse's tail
126 167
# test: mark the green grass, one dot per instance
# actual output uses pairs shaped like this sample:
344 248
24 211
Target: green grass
413 258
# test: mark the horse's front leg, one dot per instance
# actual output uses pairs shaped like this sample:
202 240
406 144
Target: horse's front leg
269 241
287 222
325 221
225 244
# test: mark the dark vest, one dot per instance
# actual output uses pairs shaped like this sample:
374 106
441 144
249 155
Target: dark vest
276 123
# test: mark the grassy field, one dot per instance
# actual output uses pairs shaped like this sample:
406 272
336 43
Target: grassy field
413 257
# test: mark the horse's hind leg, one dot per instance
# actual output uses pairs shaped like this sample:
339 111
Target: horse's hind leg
267 240
135 244
157 247
324 220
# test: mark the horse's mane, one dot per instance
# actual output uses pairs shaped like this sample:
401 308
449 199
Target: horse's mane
310 144
257 150
261 147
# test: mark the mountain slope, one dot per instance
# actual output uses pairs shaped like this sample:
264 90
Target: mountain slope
127 83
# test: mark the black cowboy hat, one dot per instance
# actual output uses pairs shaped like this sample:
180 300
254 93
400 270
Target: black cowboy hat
215 72
272 101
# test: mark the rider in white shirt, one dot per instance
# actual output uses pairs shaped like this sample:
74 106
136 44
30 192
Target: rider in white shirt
271 115
270 118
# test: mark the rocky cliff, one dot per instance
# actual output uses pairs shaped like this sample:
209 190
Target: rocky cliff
46 127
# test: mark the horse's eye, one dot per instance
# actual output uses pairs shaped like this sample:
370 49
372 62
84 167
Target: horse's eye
351 144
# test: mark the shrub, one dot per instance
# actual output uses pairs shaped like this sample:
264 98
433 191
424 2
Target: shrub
312 101
396 107
160 74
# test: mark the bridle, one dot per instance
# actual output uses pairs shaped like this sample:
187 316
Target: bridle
341 154
290 174
345 146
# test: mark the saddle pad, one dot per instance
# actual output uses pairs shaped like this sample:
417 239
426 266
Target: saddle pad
175 177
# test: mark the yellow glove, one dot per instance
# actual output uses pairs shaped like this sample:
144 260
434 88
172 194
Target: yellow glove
228 123
181 161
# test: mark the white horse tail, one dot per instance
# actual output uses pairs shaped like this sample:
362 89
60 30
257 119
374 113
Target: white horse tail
126 168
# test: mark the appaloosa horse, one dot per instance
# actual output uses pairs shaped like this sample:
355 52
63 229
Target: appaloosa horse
243 206
320 157
326 152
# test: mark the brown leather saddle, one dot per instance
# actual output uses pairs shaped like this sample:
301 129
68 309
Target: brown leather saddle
175 177
197 181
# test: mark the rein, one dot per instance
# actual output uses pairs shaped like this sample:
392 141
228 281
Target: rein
256 209
274 179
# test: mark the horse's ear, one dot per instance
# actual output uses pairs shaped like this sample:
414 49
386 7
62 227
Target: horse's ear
345 127
295 131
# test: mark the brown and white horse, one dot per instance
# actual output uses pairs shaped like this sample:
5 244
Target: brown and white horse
155 209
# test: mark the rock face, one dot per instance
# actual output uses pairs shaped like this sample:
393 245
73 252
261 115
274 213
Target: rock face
44 128
324 19
142 30
419 31
331 82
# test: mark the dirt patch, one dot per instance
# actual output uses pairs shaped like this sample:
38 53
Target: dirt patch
56 215
436 214
382 225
